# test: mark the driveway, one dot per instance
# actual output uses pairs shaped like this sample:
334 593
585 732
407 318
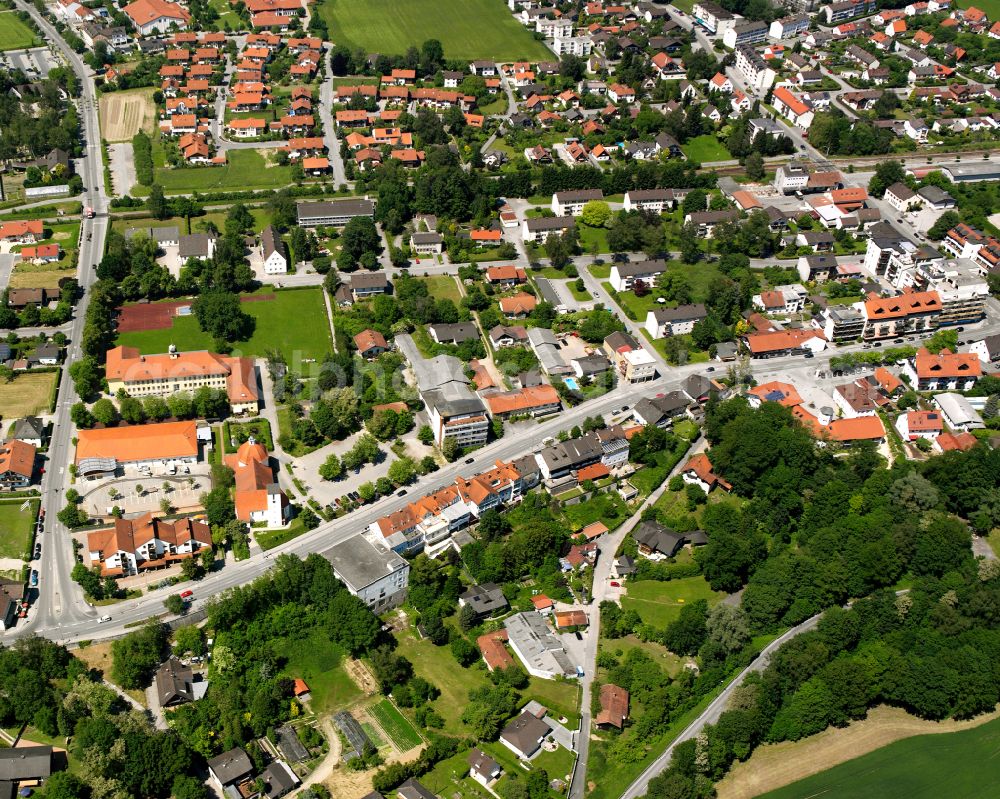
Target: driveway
121 160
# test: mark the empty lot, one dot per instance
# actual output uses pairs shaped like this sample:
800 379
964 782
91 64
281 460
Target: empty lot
123 114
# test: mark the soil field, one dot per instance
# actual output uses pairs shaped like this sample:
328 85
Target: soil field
774 766
26 395
123 114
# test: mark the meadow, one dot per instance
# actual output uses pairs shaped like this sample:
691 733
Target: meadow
294 323
14 34
15 527
659 603
467 29
958 765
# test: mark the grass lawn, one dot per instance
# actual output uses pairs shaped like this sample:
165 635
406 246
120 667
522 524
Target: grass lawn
395 725
244 170
912 768
593 239
451 778
706 149
467 29
443 287
437 665
48 275
600 271
294 322
261 218
608 508
582 296
659 603
14 34
269 539
15 527
991 7
27 394
561 697
317 660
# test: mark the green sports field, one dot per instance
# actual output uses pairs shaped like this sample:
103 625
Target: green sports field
467 29
14 34
956 765
294 323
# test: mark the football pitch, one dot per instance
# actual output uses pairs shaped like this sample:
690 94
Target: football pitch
467 29
957 765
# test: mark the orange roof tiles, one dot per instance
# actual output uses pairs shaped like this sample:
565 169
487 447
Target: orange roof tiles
10 230
593 472
904 305
518 304
702 467
776 391
139 442
369 339
17 457
524 400
861 428
495 653
947 364
614 706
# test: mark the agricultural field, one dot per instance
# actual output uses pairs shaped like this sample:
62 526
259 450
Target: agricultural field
14 34
659 603
959 765
123 114
16 520
467 29
293 322
27 394
395 725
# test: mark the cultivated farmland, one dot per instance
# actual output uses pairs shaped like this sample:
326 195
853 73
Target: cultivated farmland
27 394
123 114
936 759
395 725
467 29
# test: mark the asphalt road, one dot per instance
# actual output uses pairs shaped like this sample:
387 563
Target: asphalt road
713 711
58 599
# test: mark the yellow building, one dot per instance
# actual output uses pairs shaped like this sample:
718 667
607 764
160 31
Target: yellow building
166 374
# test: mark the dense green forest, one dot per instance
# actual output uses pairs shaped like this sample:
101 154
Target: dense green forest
837 531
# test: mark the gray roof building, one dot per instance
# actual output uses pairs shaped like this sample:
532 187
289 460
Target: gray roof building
173 682
525 734
278 779
336 212
454 333
546 348
196 245
230 767
364 283
412 789
484 599
161 235
29 428
537 646
356 737
25 763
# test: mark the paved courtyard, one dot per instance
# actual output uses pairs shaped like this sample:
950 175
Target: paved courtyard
183 494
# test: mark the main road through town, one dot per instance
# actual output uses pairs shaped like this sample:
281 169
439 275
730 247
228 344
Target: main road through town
59 600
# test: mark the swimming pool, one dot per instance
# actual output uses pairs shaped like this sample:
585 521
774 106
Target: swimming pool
571 383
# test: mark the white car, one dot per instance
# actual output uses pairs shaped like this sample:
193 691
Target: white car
104 619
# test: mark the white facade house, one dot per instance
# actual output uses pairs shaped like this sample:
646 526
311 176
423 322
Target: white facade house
273 253
571 203
677 321
378 577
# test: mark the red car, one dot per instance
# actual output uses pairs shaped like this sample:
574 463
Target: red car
615 584
187 594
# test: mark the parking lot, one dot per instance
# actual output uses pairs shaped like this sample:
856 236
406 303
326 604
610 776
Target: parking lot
37 62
